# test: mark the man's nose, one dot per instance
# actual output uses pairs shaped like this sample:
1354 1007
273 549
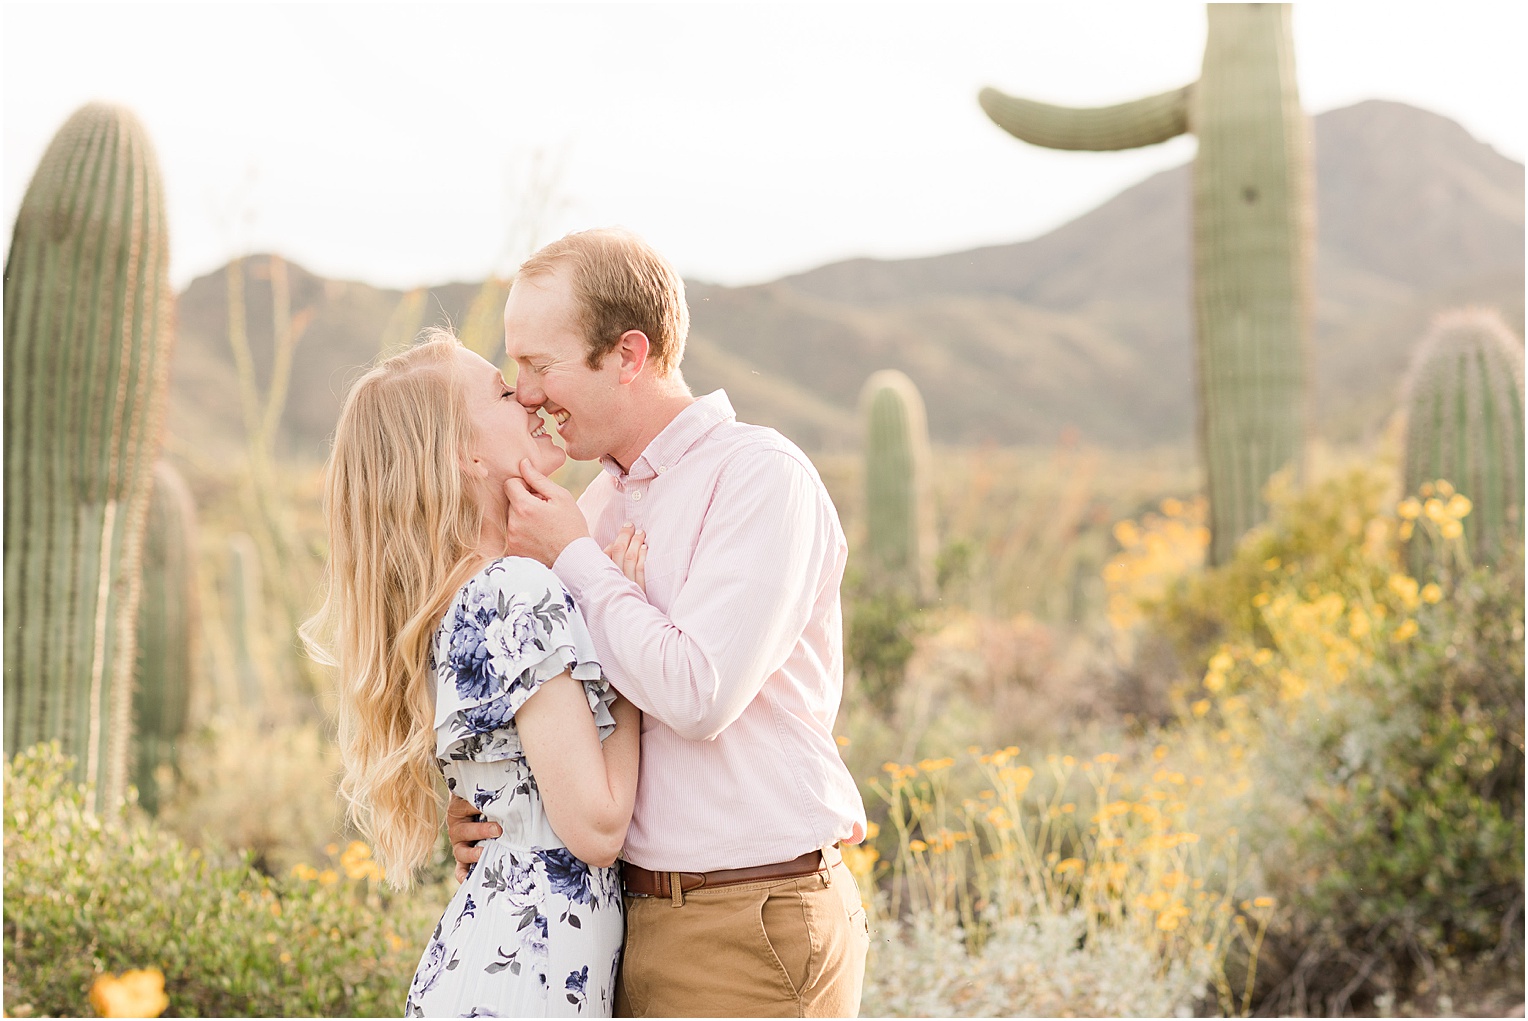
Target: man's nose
529 396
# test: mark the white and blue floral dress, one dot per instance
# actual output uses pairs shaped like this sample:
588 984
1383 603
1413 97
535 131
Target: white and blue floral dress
533 931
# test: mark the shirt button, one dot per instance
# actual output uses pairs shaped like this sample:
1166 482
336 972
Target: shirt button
662 468
637 495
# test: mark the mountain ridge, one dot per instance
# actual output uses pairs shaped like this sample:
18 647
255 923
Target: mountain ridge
1086 328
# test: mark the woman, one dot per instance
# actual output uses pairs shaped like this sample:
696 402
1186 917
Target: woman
453 660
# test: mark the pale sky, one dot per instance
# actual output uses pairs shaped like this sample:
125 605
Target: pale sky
404 144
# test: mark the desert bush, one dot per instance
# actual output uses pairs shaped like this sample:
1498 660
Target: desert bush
258 787
1365 731
1002 888
86 896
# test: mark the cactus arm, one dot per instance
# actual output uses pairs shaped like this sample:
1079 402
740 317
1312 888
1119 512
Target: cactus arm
1129 125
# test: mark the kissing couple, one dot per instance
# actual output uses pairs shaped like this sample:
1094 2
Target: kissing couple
630 695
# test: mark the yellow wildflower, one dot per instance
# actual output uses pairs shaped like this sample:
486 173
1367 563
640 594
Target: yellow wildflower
1431 593
137 993
1201 707
1358 623
1263 902
1407 629
328 877
1451 529
1406 588
1459 506
1271 564
843 742
917 846
1409 508
1444 488
1291 686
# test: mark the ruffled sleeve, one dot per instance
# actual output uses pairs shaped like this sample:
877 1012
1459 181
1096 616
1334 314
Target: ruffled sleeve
511 628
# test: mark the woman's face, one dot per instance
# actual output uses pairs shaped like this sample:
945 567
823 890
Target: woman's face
503 432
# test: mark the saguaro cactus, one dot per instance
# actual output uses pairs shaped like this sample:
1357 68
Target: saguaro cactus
87 339
1253 242
167 632
246 620
899 515
1464 423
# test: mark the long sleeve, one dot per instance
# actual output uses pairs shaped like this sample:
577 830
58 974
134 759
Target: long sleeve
752 584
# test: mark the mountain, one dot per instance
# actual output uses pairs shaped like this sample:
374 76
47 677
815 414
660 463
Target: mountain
1085 329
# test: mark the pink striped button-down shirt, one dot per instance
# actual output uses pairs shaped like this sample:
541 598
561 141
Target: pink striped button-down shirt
735 651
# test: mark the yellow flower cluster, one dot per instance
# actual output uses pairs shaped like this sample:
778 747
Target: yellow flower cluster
1440 505
1153 552
135 993
356 861
358 864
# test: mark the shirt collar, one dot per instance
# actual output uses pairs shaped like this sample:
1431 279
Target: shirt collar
686 430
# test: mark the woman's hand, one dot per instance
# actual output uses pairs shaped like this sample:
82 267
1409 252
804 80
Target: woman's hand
629 551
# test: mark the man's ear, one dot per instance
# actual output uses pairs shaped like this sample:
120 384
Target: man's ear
632 350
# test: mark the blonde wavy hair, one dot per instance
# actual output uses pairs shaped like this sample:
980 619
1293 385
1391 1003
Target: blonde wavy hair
404 528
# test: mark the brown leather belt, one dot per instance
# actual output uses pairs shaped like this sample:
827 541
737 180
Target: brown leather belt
646 883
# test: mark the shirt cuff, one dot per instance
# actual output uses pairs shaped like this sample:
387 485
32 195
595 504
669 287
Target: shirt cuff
580 563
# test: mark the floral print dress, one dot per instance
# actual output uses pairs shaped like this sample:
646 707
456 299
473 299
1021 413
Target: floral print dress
533 931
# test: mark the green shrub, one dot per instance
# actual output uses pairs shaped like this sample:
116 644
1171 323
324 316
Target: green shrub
1411 846
1374 727
878 642
85 896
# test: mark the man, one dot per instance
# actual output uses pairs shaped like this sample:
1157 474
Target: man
738 902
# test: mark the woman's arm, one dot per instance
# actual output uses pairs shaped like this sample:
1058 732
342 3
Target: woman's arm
587 786
616 764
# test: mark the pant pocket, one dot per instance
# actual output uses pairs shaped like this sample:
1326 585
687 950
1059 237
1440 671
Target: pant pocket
787 935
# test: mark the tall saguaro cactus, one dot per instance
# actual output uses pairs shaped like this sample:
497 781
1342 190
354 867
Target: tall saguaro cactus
87 339
1253 242
167 632
899 515
1464 423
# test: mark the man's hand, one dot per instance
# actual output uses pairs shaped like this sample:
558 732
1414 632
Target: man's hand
465 828
543 517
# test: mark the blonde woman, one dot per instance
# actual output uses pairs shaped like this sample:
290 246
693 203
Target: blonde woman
455 661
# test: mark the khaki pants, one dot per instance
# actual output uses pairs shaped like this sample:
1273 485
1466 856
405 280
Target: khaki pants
777 948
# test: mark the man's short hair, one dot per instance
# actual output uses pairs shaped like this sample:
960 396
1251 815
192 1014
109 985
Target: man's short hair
620 283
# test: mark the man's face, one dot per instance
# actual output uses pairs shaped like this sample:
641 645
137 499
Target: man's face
542 338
